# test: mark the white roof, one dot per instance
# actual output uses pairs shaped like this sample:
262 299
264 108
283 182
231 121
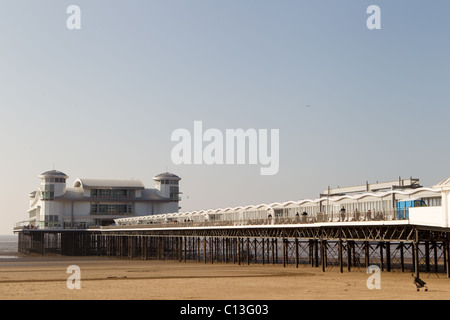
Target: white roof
109 183
411 193
444 184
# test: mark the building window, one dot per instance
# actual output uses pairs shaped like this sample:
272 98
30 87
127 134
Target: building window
51 221
174 192
112 194
47 195
111 209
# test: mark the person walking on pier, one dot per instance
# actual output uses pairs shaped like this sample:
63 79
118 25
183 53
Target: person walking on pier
342 218
356 215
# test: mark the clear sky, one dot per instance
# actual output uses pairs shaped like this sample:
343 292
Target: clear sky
102 102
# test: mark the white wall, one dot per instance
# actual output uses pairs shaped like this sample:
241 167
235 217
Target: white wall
428 216
166 207
143 208
81 208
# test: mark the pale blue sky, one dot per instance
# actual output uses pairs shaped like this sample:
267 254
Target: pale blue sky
102 102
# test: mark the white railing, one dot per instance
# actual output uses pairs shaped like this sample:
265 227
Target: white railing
356 216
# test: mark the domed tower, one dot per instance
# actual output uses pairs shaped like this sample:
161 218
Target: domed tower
167 185
53 184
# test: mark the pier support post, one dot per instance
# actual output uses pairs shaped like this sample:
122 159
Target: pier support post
262 250
416 259
323 253
388 256
381 244
447 254
204 250
349 255
427 256
316 253
255 259
185 249
402 257
248 250
340 256
416 254
435 247
366 254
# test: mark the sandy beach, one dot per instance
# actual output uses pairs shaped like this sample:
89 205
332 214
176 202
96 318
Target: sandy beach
39 277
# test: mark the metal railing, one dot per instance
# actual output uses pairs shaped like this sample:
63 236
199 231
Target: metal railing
393 215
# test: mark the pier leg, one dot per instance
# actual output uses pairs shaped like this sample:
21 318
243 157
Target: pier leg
276 250
349 255
316 253
402 257
255 242
248 250
262 250
416 258
381 255
388 256
185 248
436 269
366 254
323 253
239 250
144 248
447 260
204 250
273 251
211 248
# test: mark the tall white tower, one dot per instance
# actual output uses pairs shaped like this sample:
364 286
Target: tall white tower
53 184
168 185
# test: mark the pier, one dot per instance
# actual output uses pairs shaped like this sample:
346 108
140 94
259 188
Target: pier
392 245
396 225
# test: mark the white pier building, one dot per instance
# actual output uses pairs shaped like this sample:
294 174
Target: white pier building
97 202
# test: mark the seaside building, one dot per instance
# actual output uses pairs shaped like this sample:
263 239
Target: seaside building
97 202
380 201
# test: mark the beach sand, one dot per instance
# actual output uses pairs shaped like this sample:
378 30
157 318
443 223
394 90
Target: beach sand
107 278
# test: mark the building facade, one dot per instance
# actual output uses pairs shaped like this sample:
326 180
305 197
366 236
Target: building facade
97 202
378 201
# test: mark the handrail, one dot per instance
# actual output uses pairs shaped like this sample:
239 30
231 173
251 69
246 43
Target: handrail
393 215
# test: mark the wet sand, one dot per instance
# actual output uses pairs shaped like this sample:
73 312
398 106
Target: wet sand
39 277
